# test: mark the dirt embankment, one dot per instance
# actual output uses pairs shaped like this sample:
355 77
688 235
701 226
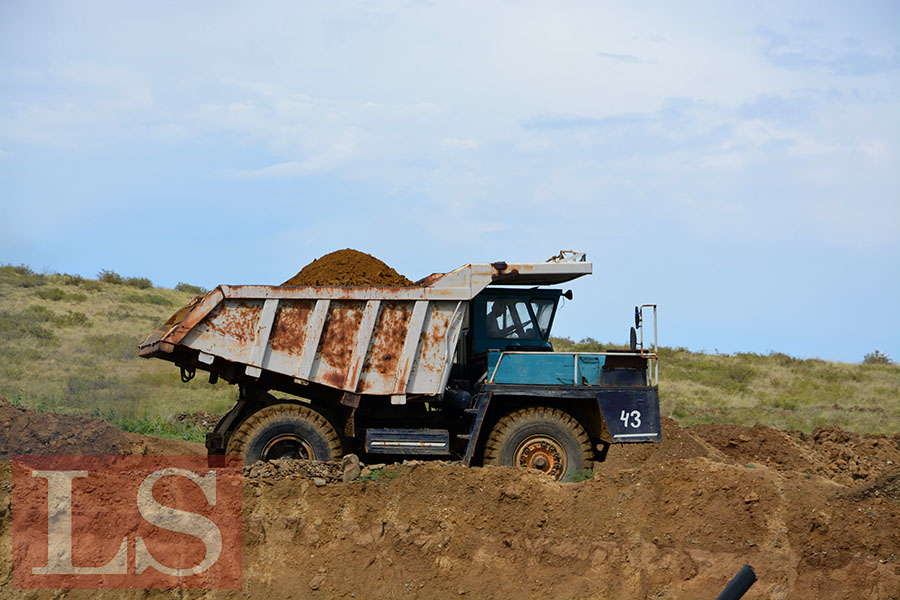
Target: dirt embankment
348 267
817 516
24 431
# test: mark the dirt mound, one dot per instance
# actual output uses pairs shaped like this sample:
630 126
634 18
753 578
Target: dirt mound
667 528
202 420
886 485
348 268
671 520
23 431
830 452
328 472
677 442
677 529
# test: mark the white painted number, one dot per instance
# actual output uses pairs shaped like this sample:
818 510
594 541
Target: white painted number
631 419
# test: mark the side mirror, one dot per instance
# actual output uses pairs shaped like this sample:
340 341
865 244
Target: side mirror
638 317
633 340
567 294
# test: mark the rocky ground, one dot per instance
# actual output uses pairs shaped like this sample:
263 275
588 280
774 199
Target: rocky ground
817 516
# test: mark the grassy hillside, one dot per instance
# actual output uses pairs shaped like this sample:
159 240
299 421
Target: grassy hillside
773 389
69 344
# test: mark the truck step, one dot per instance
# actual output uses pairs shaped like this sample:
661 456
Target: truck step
471 411
464 436
434 442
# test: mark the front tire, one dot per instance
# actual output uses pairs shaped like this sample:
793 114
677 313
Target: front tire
546 439
285 431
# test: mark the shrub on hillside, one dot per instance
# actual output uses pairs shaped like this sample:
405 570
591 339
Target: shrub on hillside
24 324
876 358
565 344
52 293
72 319
38 314
190 289
72 279
141 283
19 269
148 299
21 276
109 276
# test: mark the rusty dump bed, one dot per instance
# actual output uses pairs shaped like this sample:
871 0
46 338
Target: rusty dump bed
364 340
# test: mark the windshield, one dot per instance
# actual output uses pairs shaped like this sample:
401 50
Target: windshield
543 312
509 319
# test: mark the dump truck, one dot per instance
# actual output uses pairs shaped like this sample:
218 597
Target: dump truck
458 367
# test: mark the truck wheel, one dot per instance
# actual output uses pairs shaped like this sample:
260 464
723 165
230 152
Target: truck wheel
545 439
285 431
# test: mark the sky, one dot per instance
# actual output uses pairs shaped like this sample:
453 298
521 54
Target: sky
736 163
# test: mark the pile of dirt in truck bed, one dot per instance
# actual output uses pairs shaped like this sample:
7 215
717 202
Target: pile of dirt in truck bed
348 267
817 516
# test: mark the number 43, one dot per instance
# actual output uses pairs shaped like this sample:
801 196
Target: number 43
631 419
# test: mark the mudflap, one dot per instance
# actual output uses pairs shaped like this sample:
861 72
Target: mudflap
631 414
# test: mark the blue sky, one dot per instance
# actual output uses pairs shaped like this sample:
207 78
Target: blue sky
736 163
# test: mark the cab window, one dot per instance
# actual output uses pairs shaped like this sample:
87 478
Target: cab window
509 319
543 313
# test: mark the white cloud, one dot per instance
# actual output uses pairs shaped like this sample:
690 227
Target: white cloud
726 160
466 143
877 150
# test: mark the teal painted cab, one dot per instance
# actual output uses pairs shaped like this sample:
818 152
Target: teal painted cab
545 368
513 319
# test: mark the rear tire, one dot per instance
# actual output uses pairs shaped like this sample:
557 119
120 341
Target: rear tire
546 439
285 431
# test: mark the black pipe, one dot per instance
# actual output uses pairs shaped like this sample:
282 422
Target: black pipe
738 586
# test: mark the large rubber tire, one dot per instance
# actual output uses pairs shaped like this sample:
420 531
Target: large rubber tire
545 439
285 431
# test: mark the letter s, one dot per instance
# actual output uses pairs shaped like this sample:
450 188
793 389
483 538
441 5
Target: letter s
180 521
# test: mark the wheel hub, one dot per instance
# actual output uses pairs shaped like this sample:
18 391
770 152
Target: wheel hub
542 453
288 446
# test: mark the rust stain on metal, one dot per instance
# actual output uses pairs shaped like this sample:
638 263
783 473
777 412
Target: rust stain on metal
432 340
237 320
387 344
429 279
350 399
339 336
197 311
290 327
503 274
334 378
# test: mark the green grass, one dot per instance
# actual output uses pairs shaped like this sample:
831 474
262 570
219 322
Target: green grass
382 474
582 475
76 352
773 389
164 429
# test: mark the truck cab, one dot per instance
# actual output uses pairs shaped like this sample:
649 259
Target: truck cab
554 411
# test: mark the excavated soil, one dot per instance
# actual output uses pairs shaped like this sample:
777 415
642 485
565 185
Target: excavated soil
817 516
348 268
23 431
